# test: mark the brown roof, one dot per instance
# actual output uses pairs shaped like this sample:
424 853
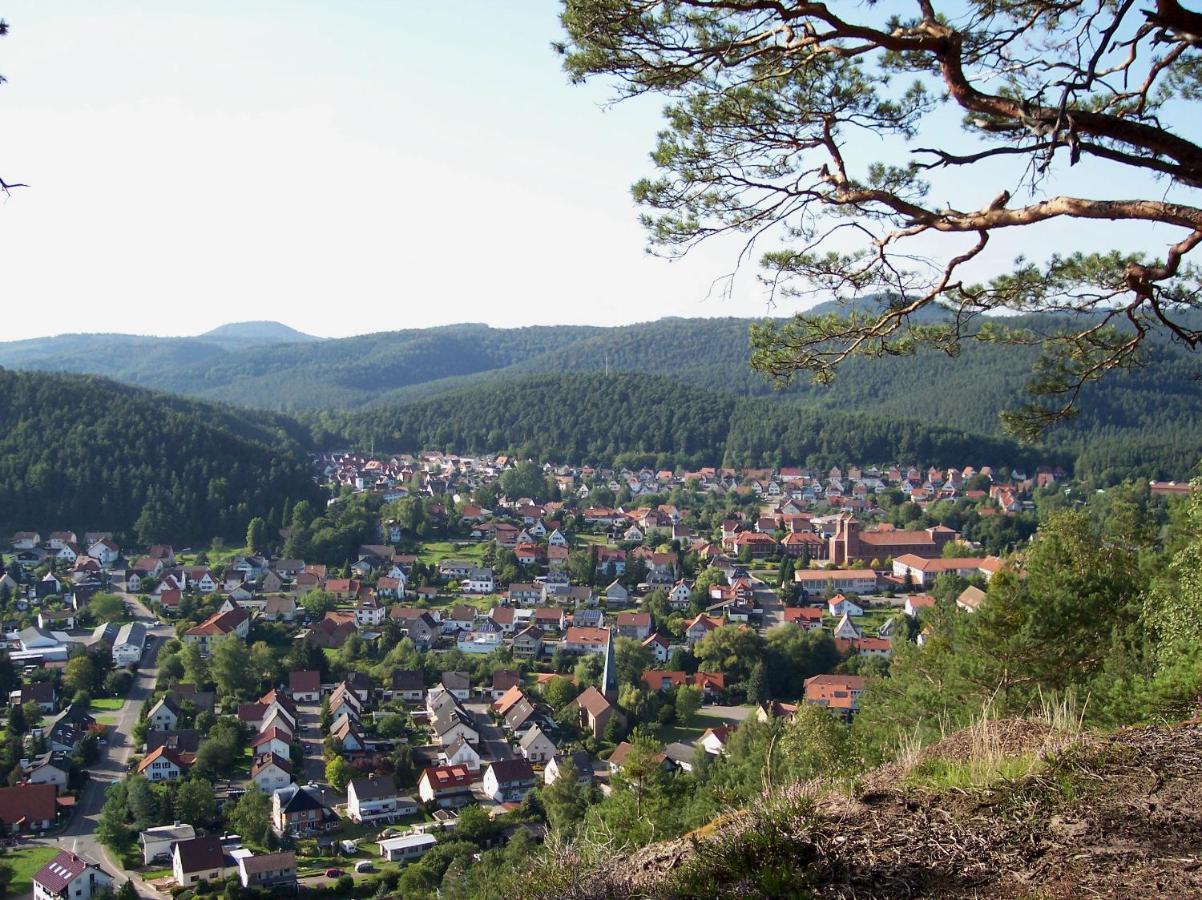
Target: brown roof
200 854
27 802
305 682
592 701
60 871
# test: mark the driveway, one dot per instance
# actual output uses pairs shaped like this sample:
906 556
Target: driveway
493 744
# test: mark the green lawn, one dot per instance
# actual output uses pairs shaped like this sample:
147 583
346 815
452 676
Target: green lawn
436 551
155 874
106 720
24 864
681 734
110 703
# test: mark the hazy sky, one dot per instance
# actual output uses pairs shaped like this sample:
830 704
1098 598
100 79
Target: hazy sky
342 167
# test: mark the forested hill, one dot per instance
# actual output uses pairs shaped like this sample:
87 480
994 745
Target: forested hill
86 453
654 420
1148 422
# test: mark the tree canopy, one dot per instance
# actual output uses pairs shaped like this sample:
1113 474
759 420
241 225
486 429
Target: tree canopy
768 105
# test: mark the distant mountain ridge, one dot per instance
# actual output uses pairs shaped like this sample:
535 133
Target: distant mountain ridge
256 333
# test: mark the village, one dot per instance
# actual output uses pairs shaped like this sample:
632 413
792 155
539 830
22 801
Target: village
466 656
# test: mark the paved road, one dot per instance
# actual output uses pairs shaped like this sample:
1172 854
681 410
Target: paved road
769 601
80 835
493 744
309 722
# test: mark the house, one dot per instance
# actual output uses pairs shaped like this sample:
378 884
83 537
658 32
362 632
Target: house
104 551
579 639
636 625
129 644
457 684
527 643
714 740
408 684
70 877
509 780
279 608
595 711
274 740
503 680
217 626
445 786
479 581
186 740
549 618
580 759
841 606
40 692
536 747
681 595
331 632
164 764
846 629
27 807
164 715
200 859
808 618
700 626
616 594
305 686
660 646
838 693
56 620
156 843
461 753
916 602
298 809
452 723
970 599
70 728
271 772
680 756
423 630
376 798
268 871
53 768
408 848
617 759
369 611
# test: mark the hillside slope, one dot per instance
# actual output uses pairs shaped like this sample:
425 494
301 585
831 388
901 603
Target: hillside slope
640 419
1112 816
85 453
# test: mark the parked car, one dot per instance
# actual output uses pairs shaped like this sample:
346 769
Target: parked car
333 873
364 865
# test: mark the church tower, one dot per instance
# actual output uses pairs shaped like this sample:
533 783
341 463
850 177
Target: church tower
609 675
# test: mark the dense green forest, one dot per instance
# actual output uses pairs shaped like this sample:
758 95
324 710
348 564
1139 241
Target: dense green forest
693 400
85 453
654 420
